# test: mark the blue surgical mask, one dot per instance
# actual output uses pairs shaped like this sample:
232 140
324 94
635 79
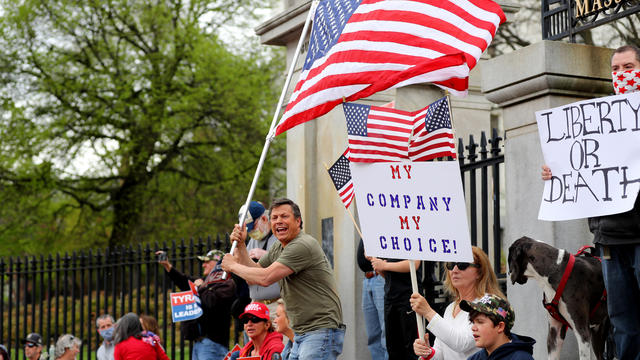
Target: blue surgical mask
107 334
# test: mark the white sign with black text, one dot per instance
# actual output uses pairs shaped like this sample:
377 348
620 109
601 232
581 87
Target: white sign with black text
592 149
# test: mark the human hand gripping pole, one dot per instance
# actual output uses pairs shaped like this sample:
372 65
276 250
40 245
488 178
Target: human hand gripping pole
274 121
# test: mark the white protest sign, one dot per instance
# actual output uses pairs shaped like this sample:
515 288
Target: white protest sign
592 149
412 210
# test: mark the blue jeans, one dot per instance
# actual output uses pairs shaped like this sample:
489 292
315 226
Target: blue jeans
207 349
373 309
622 281
321 344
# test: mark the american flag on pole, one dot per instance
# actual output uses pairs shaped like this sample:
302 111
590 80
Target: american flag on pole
340 174
432 134
377 133
360 47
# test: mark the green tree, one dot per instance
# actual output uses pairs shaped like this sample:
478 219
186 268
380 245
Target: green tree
126 120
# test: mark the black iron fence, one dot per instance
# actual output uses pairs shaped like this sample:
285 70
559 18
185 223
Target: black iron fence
481 167
64 294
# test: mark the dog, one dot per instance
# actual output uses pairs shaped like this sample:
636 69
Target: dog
582 295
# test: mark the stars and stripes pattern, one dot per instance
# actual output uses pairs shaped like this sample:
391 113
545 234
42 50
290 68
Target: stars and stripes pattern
432 135
377 133
340 174
360 47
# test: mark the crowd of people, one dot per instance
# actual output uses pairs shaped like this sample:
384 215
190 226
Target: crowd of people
127 339
477 323
292 310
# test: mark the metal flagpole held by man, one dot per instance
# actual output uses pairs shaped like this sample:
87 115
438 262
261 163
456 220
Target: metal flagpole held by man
276 115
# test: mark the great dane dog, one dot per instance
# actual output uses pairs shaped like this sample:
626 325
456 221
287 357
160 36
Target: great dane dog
581 303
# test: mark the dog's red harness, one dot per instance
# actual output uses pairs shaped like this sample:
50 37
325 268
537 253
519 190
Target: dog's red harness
552 307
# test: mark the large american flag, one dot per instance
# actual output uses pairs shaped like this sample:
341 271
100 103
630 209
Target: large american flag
340 174
377 133
360 47
432 135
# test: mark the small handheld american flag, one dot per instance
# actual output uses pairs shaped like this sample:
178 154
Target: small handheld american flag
341 176
432 133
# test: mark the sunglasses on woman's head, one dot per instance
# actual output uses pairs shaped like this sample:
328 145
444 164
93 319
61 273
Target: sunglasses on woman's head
253 319
30 345
462 266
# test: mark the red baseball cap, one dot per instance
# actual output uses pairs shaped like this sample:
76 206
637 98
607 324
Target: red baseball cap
256 309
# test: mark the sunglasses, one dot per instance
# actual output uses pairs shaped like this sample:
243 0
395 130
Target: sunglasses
253 319
30 345
462 266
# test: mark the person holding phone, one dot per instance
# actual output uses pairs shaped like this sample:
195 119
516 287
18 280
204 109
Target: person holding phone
209 332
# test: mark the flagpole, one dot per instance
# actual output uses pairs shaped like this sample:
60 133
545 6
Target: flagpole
414 287
455 143
348 210
276 115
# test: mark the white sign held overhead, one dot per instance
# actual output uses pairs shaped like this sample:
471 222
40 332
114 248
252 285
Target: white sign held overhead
592 149
412 210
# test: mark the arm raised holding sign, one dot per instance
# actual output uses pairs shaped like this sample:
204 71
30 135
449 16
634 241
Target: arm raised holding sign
546 172
617 236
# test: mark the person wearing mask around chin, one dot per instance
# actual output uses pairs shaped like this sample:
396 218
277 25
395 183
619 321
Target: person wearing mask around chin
104 325
307 283
261 239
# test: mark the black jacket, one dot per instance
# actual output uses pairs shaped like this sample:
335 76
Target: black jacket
216 298
617 229
520 348
363 263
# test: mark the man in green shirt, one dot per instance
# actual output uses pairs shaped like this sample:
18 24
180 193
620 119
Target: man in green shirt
306 281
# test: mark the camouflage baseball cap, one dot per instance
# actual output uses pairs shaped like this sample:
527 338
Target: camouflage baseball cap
491 304
214 255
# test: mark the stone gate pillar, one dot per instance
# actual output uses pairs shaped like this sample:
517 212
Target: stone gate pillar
541 76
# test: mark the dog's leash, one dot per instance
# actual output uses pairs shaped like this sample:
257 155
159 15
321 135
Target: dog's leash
583 251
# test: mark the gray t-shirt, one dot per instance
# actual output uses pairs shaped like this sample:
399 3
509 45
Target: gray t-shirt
258 292
105 351
310 292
